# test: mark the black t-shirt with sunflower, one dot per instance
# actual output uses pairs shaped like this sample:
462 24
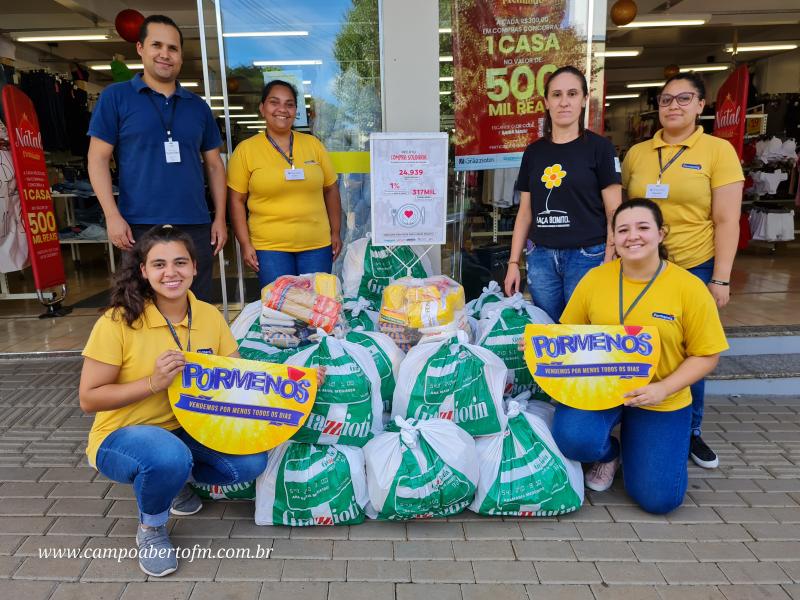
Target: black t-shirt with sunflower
565 182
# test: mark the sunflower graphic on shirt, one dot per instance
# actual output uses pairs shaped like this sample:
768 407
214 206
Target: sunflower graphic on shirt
552 177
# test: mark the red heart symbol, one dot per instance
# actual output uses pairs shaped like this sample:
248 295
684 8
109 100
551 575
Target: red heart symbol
295 374
408 213
633 329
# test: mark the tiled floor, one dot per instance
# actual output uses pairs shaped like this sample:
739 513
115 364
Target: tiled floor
765 290
736 537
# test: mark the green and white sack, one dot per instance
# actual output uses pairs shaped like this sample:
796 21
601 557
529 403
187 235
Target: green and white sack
421 469
242 323
452 379
522 471
236 491
501 327
387 357
360 314
253 347
306 484
348 406
490 294
368 269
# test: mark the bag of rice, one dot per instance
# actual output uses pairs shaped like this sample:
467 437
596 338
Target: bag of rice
348 406
452 379
420 469
360 314
236 491
522 471
501 327
387 357
491 293
305 484
368 269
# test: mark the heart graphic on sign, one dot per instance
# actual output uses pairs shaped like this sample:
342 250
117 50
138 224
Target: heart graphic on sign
408 213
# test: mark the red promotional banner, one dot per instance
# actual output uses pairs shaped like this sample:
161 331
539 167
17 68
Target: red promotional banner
503 52
34 188
729 122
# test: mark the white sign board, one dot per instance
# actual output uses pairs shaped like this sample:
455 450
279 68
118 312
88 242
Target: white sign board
409 188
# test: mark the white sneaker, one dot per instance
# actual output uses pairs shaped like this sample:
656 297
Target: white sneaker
600 475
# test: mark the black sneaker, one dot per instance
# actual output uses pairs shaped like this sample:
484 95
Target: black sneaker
701 454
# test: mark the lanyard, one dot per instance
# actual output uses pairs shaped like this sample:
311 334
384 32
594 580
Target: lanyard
289 159
175 333
159 112
624 316
669 164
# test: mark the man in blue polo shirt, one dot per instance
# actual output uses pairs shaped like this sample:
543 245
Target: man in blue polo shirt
159 131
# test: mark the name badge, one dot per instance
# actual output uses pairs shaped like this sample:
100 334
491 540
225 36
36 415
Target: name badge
172 151
294 174
657 191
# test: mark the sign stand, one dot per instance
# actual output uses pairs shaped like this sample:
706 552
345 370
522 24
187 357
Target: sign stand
27 153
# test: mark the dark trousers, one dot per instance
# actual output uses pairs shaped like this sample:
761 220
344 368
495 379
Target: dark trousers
201 236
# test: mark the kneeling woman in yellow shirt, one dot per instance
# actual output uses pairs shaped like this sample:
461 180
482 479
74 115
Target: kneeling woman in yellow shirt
286 181
132 356
642 288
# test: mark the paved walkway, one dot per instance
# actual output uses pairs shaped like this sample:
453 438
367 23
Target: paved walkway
737 535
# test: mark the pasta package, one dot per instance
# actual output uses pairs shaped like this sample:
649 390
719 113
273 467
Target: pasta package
302 298
422 303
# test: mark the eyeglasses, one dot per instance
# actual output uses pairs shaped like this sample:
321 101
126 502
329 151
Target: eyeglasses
684 98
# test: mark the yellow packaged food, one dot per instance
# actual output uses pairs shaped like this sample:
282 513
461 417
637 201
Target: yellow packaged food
422 303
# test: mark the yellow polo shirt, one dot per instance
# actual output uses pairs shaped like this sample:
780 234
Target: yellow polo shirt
707 163
135 350
678 304
289 216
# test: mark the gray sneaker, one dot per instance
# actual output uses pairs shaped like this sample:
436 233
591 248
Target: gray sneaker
186 502
156 554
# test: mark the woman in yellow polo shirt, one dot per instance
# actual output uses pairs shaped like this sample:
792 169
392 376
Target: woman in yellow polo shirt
696 179
132 356
286 181
643 288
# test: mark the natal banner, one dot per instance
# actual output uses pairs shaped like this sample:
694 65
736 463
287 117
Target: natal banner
503 52
27 152
240 406
591 367
729 122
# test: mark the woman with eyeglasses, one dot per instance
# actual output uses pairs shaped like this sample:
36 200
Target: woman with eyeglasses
696 179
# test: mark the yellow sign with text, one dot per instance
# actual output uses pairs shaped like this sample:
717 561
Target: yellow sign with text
591 367
240 406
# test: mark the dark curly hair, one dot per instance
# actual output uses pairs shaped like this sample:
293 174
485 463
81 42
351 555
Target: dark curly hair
131 291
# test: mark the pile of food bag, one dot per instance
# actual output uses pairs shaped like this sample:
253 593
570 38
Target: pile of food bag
427 407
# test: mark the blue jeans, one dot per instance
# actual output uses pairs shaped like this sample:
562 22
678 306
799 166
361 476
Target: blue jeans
158 463
554 273
654 449
273 263
703 272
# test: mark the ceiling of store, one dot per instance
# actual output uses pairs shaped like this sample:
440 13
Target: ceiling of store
745 20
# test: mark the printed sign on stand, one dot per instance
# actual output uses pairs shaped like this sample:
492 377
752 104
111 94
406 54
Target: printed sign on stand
591 367
27 151
240 406
409 188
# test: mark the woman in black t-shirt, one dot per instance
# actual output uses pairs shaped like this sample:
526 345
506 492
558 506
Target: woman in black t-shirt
570 185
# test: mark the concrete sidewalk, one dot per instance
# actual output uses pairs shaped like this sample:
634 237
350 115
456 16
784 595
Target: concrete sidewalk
737 535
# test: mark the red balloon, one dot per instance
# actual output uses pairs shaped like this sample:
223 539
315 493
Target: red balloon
128 22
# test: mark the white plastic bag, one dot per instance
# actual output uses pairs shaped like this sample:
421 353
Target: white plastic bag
387 356
522 471
368 269
452 379
501 327
249 315
359 313
490 294
421 469
348 406
305 484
